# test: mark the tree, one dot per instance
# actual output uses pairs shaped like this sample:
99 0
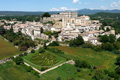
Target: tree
41 50
107 29
99 75
29 69
107 46
79 41
25 54
118 61
44 46
41 30
46 15
2 30
32 51
97 48
104 24
54 43
116 45
76 42
118 39
112 38
18 60
104 38
117 70
79 74
59 78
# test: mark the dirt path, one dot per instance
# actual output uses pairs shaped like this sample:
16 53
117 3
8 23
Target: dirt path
43 72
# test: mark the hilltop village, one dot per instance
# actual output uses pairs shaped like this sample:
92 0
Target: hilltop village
68 25
62 46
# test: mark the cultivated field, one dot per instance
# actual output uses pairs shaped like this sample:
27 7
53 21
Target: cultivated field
7 49
47 59
103 60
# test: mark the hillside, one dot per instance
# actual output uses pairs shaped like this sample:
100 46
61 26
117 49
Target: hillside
80 12
7 49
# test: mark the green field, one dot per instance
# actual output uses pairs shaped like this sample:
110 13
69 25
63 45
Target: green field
10 71
103 59
46 59
7 49
66 72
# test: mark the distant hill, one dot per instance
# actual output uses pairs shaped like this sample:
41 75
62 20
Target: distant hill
89 11
80 12
106 15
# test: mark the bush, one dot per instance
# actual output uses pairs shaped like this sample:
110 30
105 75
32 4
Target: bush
23 48
35 73
55 50
118 61
78 69
117 70
59 78
116 52
32 51
81 64
29 69
41 50
18 60
54 43
76 42
88 45
25 54
21 55
43 68
79 74
107 46
97 48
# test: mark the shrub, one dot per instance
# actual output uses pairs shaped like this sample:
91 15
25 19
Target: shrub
107 46
78 69
79 74
81 64
88 45
54 43
116 45
118 61
12 58
35 73
41 50
25 54
59 78
43 68
97 48
116 52
76 42
21 55
55 50
18 60
117 70
29 69
32 51
23 48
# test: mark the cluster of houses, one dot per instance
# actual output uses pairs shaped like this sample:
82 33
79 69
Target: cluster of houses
71 25
68 24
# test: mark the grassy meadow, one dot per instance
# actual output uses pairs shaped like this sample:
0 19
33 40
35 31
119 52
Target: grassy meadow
103 59
10 71
7 49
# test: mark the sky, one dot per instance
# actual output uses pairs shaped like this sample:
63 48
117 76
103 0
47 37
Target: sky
57 5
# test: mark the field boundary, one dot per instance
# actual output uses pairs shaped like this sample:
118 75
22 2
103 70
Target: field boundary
43 72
